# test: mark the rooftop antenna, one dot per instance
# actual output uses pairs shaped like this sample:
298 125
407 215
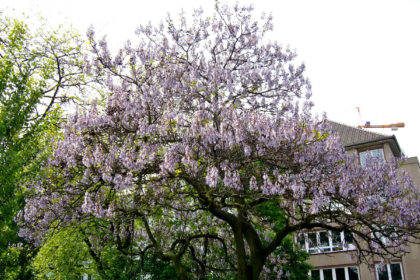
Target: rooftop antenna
359 115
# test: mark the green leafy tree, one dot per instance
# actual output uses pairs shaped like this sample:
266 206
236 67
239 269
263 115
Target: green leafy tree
69 253
293 266
64 256
37 72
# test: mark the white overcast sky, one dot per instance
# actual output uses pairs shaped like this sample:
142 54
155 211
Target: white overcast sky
358 53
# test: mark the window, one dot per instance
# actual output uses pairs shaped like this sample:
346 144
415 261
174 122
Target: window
336 273
390 271
324 241
377 155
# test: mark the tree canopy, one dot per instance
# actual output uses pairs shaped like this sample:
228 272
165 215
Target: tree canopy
37 69
206 156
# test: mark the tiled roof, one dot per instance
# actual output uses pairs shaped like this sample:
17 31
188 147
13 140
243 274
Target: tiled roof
350 135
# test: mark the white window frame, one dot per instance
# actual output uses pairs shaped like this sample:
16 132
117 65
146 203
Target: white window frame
388 268
320 249
346 272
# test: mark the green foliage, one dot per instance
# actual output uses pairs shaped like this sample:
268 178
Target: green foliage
14 262
114 261
72 253
156 268
21 141
294 264
34 68
114 264
120 266
64 256
273 212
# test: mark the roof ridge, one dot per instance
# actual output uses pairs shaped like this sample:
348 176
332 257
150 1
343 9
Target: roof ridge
350 135
358 128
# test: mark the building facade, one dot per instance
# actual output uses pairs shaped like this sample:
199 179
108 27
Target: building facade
331 252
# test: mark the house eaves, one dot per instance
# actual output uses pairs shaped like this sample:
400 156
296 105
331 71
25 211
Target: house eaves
357 138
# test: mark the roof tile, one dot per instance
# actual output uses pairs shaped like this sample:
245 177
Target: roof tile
350 135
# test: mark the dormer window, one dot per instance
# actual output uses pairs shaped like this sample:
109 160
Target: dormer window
376 155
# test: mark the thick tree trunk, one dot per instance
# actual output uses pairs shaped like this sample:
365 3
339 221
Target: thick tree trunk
257 263
242 270
240 230
179 268
257 256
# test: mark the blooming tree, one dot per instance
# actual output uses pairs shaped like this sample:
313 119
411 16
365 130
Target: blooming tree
207 154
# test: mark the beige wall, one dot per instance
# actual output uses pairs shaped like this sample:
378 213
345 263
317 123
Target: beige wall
387 151
411 165
410 262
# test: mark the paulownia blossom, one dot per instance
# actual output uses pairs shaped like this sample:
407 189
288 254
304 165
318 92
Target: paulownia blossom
206 149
